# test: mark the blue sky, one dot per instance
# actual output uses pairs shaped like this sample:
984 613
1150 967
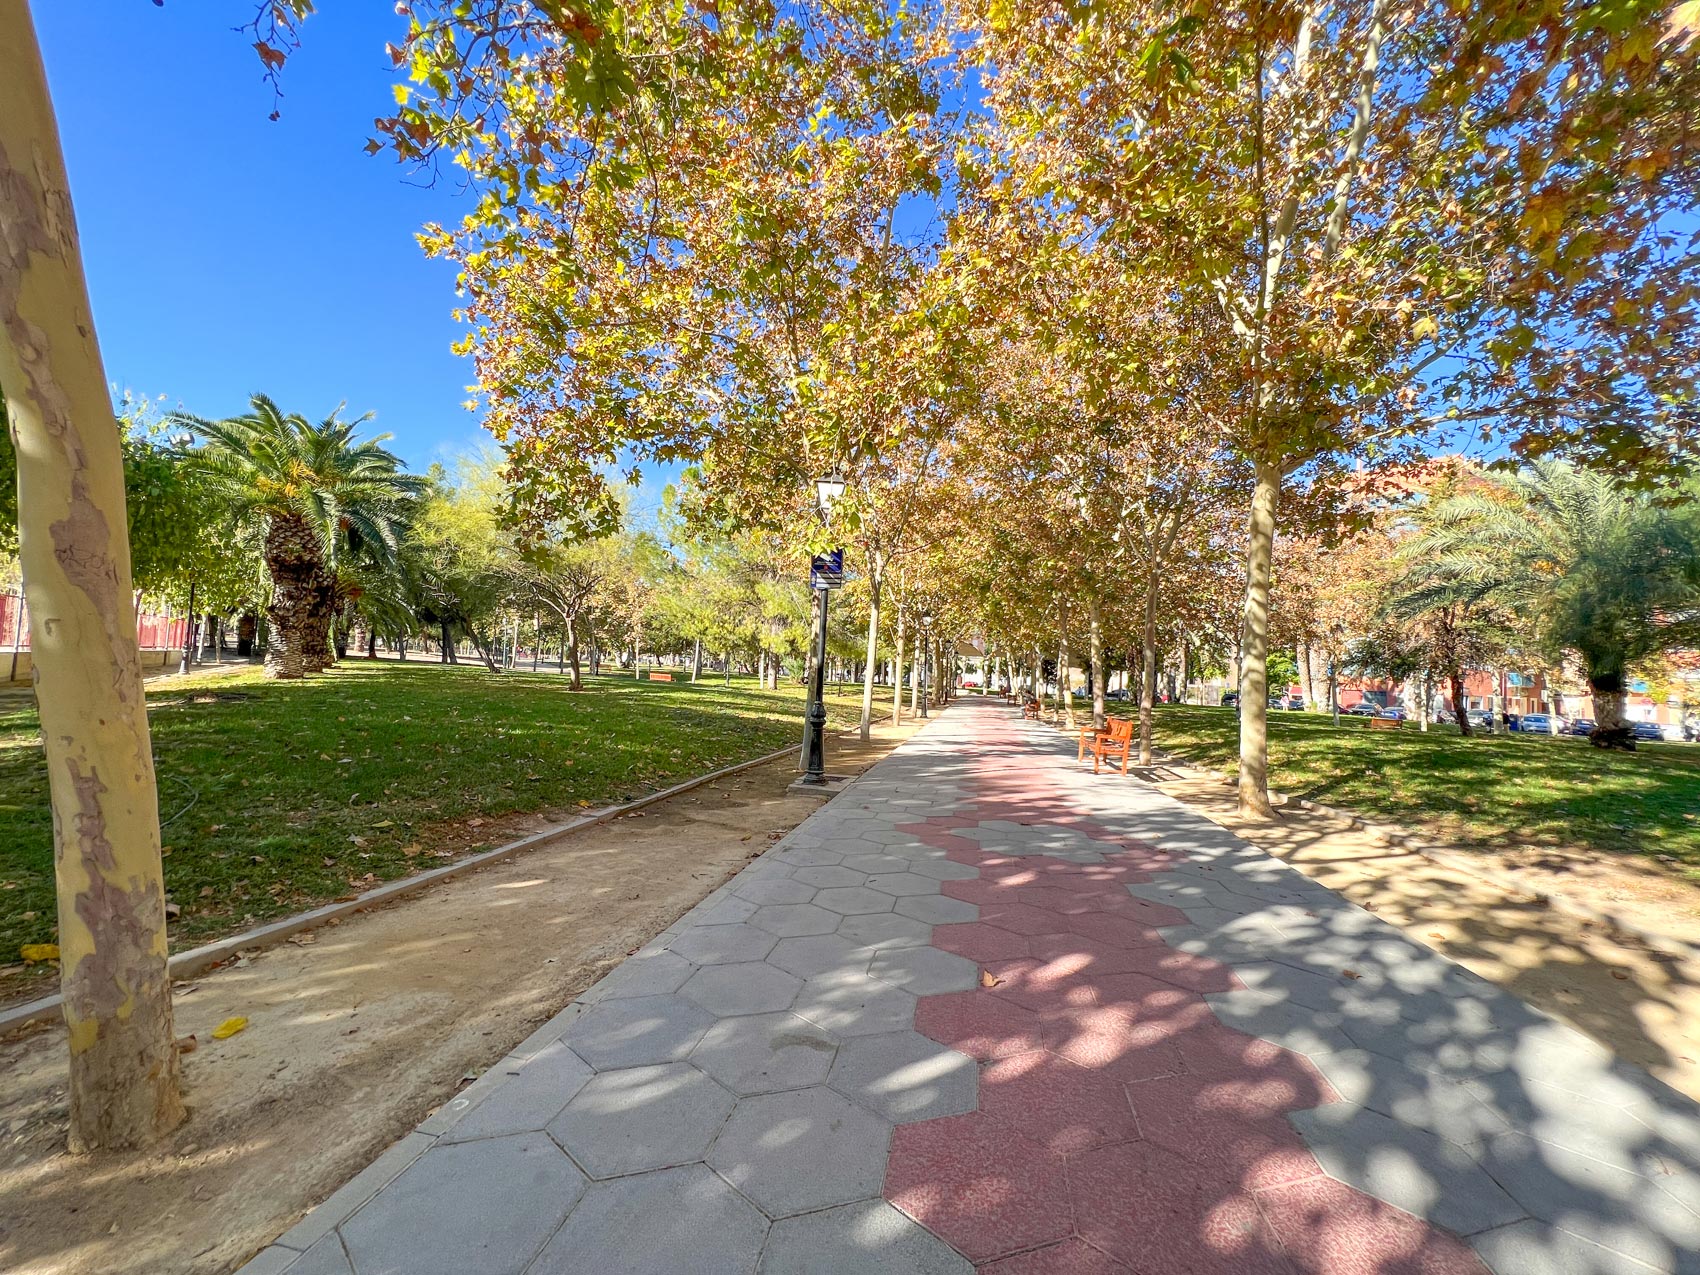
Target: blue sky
228 254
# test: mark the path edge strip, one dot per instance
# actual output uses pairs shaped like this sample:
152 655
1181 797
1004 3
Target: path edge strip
198 960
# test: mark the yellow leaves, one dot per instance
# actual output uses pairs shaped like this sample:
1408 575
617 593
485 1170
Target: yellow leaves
229 1027
1425 327
36 952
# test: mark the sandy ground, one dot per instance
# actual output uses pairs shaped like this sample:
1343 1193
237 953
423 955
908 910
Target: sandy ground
360 1032
1641 1001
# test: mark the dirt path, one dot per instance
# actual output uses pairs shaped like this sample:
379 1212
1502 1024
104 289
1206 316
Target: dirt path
357 1035
1642 1002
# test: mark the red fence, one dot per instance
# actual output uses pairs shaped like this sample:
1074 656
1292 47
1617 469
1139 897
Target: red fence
155 631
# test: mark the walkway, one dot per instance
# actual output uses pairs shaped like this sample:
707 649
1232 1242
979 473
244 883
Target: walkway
986 1011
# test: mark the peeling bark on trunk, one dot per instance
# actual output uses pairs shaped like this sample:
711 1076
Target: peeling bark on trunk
1254 645
1065 692
1095 652
75 552
1307 688
873 652
1611 701
577 683
1147 670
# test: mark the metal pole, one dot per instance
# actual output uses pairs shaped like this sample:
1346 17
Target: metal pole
814 736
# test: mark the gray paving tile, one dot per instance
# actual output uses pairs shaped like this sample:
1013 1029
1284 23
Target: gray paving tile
943 870
728 911
786 891
1607 1205
851 900
876 864
527 1098
722 944
642 1118
663 1223
858 1239
795 1152
272 1260
1274 1018
936 909
651 972
327 1257
1408 1168
926 971
902 883
636 1032
820 954
747 987
903 1076
792 920
329 1214
885 929
760 1053
480 1206
820 878
855 1004
1423 1100
1534 1248
808 856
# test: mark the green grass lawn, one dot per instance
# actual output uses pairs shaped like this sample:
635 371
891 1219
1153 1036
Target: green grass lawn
277 796
1481 790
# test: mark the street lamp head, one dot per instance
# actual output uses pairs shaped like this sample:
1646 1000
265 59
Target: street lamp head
828 488
927 620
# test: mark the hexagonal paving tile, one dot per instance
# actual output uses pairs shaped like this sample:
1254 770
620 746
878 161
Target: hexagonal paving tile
1053 1102
820 878
635 1032
943 869
791 920
902 883
773 891
484 1206
642 1118
903 1076
760 1053
747 987
661 1223
926 971
820 954
983 1190
855 1239
722 944
876 863
527 1098
651 972
885 929
854 1004
796 1152
854 899
936 909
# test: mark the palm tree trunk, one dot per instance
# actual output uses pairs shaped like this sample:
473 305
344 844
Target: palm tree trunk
1611 702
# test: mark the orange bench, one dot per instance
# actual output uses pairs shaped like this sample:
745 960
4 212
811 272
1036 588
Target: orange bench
1384 723
1114 741
1031 709
660 677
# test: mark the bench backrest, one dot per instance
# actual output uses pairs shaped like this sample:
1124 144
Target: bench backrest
1121 728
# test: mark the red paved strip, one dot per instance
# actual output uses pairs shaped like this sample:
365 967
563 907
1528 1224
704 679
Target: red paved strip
1122 1127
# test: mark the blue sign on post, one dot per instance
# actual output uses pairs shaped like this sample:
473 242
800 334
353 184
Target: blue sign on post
826 570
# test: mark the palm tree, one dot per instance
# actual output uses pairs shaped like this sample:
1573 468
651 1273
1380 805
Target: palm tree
321 501
1594 569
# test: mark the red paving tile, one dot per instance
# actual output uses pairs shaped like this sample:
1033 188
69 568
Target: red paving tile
1056 1103
1157 1212
978 1024
980 942
1122 1129
1328 1228
1071 1257
981 1188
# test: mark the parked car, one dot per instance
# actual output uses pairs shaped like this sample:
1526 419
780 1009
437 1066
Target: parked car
1230 699
1537 724
1580 726
1648 731
1480 719
1118 693
1295 703
1364 708
1394 714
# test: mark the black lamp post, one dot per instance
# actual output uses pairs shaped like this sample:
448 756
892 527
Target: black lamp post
827 491
926 656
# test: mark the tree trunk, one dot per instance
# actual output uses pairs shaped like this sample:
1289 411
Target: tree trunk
1095 653
75 552
1306 687
483 649
696 660
1065 691
577 683
915 663
1254 645
1147 670
291 553
1611 703
371 643
1456 677
867 727
897 674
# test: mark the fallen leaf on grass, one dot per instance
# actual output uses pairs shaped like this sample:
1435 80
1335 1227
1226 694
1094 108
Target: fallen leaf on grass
989 979
33 952
229 1027
384 823
412 850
